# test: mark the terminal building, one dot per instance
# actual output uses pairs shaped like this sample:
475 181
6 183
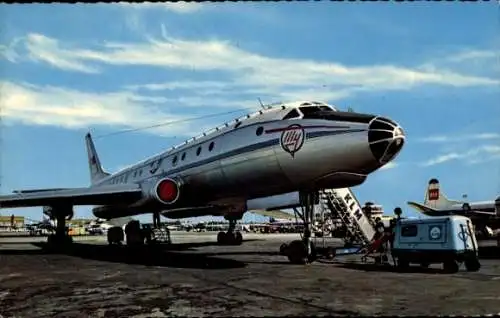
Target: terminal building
8 222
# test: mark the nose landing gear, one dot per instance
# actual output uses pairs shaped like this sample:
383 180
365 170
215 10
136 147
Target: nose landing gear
303 251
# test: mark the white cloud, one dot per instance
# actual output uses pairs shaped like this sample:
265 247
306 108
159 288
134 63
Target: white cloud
47 105
471 61
246 76
44 49
178 7
390 165
248 68
459 138
471 156
473 55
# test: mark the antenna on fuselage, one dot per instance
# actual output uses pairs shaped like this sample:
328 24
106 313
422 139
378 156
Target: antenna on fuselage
262 105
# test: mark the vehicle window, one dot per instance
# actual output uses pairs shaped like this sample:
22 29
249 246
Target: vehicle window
409 230
292 114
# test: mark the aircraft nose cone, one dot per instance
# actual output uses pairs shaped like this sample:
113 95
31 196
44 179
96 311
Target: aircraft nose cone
386 139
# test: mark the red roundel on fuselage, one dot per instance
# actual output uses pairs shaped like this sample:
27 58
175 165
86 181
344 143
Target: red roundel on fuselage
167 190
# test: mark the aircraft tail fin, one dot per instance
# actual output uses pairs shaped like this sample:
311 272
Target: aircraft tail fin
95 168
435 198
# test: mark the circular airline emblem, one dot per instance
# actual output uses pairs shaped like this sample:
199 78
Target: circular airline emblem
463 236
292 139
435 233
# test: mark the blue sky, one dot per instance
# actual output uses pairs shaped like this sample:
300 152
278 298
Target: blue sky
433 67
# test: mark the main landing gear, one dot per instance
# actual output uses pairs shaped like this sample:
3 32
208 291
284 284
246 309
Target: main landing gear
60 214
230 237
303 251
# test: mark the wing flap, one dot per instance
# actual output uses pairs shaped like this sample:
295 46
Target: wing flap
74 196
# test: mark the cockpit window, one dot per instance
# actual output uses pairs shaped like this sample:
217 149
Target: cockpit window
325 112
292 114
313 109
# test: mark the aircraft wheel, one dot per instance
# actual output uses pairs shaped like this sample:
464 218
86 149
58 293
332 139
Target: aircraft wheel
472 265
221 238
451 266
297 252
238 238
283 249
403 264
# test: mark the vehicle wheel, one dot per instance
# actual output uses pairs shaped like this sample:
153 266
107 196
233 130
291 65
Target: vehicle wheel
283 249
472 265
297 252
403 263
221 238
451 266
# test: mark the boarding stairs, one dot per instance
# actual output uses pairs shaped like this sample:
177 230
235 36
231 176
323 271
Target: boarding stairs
342 204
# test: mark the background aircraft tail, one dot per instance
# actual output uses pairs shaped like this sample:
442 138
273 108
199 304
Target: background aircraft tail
96 171
435 198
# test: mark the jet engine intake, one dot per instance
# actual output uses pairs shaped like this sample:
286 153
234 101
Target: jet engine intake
166 191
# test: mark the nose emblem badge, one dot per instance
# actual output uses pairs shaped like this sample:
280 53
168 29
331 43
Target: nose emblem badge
292 139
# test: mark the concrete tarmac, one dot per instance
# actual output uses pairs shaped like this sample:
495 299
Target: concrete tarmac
195 277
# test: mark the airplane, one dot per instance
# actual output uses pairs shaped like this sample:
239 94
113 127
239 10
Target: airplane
484 214
297 147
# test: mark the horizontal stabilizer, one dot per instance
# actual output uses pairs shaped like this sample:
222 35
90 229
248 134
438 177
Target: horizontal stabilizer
420 207
435 212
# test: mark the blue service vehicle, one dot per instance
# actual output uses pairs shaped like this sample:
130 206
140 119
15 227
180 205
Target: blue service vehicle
449 240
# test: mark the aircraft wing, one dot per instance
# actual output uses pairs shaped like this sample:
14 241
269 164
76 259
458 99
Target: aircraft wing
276 214
98 195
434 212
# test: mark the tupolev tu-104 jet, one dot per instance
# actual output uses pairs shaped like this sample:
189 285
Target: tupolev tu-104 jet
287 147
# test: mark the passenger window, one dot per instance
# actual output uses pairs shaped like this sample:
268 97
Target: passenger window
259 131
198 151
174 161
237 125
409 231
135 173
292 114
211 146
183 156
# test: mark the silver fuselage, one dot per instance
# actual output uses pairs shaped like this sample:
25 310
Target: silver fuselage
238 164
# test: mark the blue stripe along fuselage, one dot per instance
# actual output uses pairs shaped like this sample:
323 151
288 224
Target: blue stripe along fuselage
255 147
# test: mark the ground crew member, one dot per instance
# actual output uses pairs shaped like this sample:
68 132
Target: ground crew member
398 212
